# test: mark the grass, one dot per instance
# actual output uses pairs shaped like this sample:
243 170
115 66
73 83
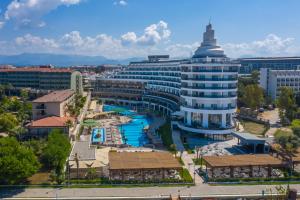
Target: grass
185 175
254 128
165 132
180 160
256 183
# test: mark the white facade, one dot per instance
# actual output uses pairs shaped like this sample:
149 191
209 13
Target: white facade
203 88
209 89
273 80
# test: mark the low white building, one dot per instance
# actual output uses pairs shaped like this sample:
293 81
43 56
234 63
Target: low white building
273 80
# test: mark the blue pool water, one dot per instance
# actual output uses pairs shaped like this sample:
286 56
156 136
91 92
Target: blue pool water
95 138
133 132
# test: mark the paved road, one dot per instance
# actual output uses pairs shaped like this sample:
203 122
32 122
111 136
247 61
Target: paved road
149 192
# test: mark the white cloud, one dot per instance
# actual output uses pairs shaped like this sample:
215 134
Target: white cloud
1 24
152 35
121 3
33 43
272 45
182 50
29 12
155 39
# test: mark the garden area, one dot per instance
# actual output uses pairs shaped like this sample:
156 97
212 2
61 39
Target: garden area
255 128
34 161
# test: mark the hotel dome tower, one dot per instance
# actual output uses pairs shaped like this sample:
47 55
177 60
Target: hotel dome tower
208 89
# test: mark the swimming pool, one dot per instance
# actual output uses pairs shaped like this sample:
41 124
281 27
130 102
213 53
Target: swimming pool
96 138
132 132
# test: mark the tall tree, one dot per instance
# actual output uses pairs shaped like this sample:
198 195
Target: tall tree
253 96
16 161
8 122
286 103
56 151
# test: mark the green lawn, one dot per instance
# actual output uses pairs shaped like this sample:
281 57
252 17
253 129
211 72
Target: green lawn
254 128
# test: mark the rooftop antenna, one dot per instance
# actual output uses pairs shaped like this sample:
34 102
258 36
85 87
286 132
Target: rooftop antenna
209 20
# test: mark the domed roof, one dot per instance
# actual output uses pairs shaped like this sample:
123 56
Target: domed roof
209 46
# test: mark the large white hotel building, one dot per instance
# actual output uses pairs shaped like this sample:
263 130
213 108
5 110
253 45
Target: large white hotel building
202 89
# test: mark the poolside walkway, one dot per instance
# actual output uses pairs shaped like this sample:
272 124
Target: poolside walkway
177 140
186 158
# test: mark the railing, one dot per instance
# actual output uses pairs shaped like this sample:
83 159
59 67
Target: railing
209 70
209 108
209 79
40 107
203 87
210 96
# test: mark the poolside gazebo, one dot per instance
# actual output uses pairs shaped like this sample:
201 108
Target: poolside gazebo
241 166
142 166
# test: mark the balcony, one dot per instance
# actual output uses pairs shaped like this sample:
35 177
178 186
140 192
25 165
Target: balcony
209 108
210 96
209 70
209 88
208 79
40 107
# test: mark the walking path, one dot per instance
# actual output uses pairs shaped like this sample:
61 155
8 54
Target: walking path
186 158
177 140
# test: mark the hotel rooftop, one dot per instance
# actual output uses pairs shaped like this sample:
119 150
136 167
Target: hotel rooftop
56 96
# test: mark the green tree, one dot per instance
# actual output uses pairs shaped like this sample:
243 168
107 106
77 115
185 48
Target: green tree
287 140
37 146
296 127
24 94
16 161
255 76
56 151
253 96
286 103
8 122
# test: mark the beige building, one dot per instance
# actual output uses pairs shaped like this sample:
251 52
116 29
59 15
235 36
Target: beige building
42 127
52 104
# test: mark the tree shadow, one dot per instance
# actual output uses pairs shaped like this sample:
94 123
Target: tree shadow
10 191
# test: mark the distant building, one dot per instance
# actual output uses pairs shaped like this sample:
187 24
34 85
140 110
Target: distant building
42 127
52 104
42 78
273 80
275 63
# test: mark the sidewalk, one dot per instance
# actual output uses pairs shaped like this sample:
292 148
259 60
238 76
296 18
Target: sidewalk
186 158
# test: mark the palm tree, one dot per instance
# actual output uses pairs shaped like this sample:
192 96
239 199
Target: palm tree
8 87
174 149
2 88
76 158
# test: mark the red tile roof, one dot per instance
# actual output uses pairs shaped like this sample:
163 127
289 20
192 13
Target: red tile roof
35 69
56 96
50 122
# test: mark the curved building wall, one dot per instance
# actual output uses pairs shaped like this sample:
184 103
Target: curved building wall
209 94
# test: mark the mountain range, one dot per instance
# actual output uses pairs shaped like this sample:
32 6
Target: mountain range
60 60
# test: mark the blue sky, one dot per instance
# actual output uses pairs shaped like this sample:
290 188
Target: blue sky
135 28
